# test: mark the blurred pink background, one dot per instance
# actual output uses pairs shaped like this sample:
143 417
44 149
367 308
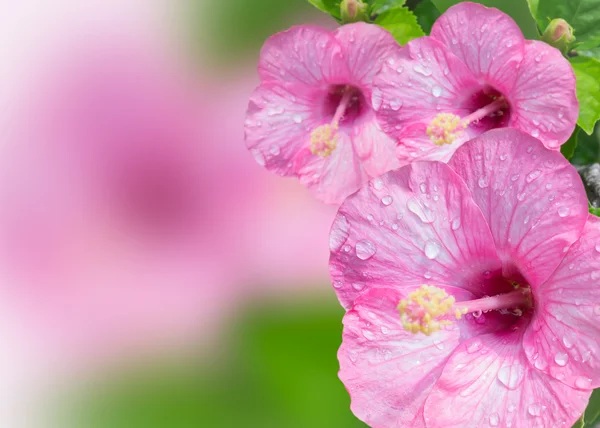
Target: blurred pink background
133 221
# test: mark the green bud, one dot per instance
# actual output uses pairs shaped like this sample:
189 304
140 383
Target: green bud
559 34
353 11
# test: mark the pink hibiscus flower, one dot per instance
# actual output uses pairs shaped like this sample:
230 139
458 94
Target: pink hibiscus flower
474 73
311 117
470 308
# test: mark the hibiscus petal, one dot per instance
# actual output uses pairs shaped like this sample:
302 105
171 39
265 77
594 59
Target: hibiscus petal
278 123
304 54
417 82
487 40
334 177
532 198
563 340
375 149
488 381
411 226
388 371
365 48
543 100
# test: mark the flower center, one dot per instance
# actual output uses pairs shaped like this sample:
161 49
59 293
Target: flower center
344 104
429 308
445 128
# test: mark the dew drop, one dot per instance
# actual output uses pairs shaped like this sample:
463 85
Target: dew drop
436 91
358 286
503 157
561 359
274 150
368 334
583 382
427 275
483 182
533 175
385 330
456 223
378 184
395 104
377 99
567 341
494 419
534 409
514 177
564 211
387 200
297 118
521 196
432 249
414 207
474 346
337 284
511 376
423 188
365 249
395 226
535 133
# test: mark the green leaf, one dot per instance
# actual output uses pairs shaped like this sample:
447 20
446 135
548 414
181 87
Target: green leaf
380 6
533 7
331 7
587 151
568 148
579 423
592 412
516 9
596 212
427 14
587 71
402 23
582 15
590 53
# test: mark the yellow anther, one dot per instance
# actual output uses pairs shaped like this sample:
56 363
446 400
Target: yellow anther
423 310
323 140
445 128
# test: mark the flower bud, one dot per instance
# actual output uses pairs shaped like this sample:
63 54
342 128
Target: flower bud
559 34
353 11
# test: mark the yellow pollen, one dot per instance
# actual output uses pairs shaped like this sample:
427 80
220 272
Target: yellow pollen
427 309
445 128
323 140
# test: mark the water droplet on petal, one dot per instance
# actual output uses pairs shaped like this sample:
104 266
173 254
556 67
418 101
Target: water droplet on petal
432 249
274 150
514 177
534 409
365 249
368 334
567 341
561 359
483 182
377 99
387 200
564 211
413 206
494 419
583 382
456 223
511 376
395 104
297 118
474 346
378 184
533 175
535 133
436 91
521 196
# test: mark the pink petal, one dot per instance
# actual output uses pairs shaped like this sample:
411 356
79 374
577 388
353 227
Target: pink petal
532 198
417 82
375 149
388 371
412 225
365 48
278 123
304 54
543 99
563 340
488 381
334 177
487 40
